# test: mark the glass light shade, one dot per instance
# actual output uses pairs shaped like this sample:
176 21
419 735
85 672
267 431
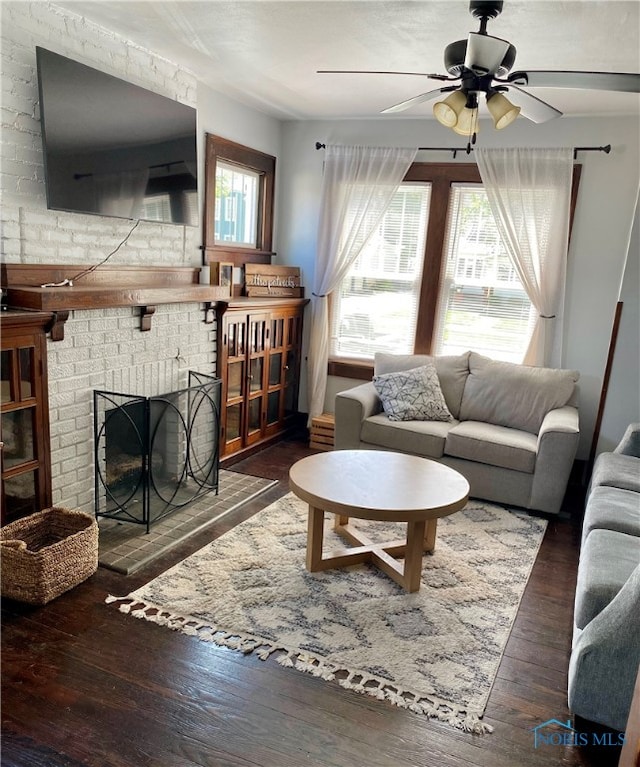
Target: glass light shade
502 110
467 123
446 112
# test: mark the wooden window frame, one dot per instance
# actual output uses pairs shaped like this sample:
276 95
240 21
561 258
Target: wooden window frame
441 176
244 158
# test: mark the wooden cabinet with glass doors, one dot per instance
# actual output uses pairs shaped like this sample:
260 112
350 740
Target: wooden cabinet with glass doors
26 461
259 355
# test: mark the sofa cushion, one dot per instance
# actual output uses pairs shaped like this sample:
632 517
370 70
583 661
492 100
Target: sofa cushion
452 372
606 561
513 395
617 470
425 438
495 445
611 508
412 395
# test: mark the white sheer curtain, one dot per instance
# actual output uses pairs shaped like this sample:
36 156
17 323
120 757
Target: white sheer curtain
121 193
529 191
357 187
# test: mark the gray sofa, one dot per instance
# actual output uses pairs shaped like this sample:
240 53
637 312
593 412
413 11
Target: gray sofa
513 432
606 645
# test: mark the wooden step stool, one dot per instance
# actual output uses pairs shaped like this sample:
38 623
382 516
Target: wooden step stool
322 427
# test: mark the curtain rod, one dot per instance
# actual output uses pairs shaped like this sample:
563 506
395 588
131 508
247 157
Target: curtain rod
606 149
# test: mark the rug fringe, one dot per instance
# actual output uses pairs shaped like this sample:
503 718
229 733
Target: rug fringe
366 684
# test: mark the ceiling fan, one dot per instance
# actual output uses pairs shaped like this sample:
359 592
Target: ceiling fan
482 64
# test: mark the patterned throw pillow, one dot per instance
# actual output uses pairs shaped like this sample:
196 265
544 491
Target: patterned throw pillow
412 395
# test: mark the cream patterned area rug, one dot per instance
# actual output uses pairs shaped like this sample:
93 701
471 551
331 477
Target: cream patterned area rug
435 652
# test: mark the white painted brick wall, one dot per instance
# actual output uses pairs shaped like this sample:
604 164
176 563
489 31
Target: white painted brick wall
102 349
30 232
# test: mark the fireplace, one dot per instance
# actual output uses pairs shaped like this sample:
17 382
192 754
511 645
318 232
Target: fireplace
154 455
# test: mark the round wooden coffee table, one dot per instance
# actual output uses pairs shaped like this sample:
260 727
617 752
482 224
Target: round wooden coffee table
376 485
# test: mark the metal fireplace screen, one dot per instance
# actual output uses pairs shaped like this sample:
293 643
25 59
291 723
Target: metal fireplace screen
156 454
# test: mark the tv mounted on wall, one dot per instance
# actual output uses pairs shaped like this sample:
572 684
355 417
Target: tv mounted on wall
113 148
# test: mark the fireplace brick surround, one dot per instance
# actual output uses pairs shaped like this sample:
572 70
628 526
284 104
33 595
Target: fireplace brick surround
106 350
101 349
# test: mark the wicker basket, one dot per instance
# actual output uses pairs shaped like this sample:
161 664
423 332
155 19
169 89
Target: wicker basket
47 553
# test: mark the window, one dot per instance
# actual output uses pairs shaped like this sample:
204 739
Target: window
239 193
377 304
459 289
236 206
482 304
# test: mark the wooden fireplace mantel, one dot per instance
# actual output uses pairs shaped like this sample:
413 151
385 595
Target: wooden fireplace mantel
107 287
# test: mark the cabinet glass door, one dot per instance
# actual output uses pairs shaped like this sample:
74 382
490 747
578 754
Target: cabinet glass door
233 353
23 432
262 395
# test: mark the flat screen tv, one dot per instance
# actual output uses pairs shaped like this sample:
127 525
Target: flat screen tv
114 148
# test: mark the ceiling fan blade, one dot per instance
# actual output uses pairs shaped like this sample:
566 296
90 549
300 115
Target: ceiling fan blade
421 99
485 53
601 81
532 107
381 72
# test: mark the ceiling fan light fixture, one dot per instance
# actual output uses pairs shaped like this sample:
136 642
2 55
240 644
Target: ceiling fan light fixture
447 111
502 110
467 123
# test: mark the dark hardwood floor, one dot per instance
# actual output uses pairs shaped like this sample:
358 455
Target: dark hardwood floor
86 686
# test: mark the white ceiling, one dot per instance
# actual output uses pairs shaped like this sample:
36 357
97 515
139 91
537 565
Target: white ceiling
266 53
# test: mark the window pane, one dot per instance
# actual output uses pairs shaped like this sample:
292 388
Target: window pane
255 376
17 435
5 374
275 366
236 214
273 406
482 304
375 308
255 409
26 372
235 374
234 421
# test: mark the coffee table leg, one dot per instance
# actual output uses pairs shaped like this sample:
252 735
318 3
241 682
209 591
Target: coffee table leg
339 521
413 555
315 531
430 535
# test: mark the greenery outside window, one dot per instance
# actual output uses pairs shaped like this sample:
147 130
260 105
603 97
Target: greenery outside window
239 195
